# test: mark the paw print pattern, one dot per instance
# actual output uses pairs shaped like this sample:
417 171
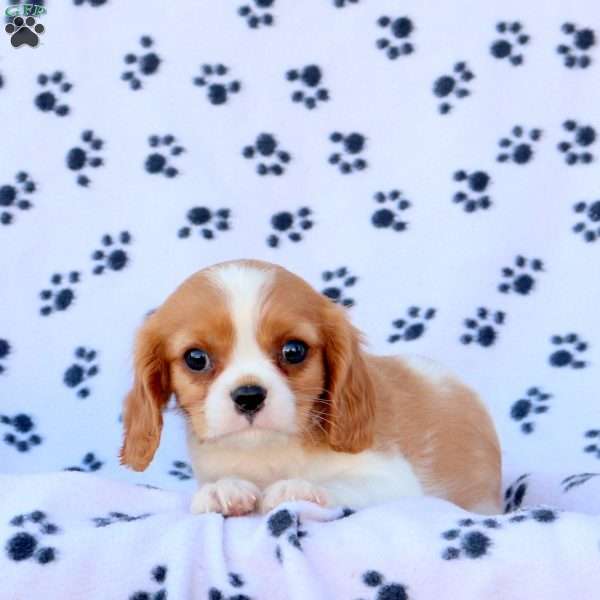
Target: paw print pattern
578 149
119 517
568 351
140 67
24 31
385 591
474 196
218 88
112 256
469 542
158 576
284 523
61 295
344 3
84 368
515 494
290 225
257 13
518 147
266 150
79 158
392 214
593 448
310 78
94 3
4 352
353 145
54 86
21 435
398 32
508 45
413 326
206 222
236 581
525 409
89 464
589 228
454 85
521 278
338 281
157 163
574 481
483 330
16 197
576 53
25 544
181 470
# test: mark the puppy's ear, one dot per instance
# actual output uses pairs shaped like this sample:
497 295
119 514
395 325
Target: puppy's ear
145 402
351 394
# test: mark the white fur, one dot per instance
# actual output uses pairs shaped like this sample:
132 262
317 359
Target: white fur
426 367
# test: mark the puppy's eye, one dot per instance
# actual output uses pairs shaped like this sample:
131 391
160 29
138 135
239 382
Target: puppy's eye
197 360
294 352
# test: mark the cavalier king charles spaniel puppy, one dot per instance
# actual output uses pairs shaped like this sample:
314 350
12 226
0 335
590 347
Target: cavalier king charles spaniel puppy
282 402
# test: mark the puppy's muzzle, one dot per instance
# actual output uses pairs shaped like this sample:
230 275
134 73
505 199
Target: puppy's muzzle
248 400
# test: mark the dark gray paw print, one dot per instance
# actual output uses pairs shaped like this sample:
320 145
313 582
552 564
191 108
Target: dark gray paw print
509 45
271 159
312 92
236 581
157 162
574 481
385 591
112 256
15 197
338 281
181 470
348 160
206 222
569 349
396 41
474 195
589 227
24 32
119 517
470 543
257 13
593 448
344 3
50 99
515 494
290 225
4 352
483 329
26 544
61 295
94 3
79 158
524 410
391 215
576 53
285 523
21 435
219 87
518 147
84 368
521 278
578 149
89 464
454 85
141 66
158 576
413 326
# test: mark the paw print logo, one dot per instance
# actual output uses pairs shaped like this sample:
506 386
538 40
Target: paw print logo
89 464
589 227
15 196
576 53
594 448
396 42
287 224
413 326
78 158
473 197
310 77
348 160
181 470
483 329
4 352
468 542
21 435
257 13
81 371
521 278
508 45
218 88
338 282
25 544
61 294
385 591
574 481
281 523
24 32
157 162
206 222
455 85
518 147
112 256
141 66
525 409
271 159
54 86
578 148
391 216
515 493
158 575
569 349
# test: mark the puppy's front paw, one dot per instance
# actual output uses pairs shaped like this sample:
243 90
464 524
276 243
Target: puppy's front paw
230 497
288 490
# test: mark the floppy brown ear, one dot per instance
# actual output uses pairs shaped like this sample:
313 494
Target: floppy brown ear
144 404
351 393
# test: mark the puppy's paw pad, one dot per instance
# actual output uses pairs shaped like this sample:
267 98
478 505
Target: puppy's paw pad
229 497
291 490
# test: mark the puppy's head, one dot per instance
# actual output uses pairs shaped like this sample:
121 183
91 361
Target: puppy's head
246 347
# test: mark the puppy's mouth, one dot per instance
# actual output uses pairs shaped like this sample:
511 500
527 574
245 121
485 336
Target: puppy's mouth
251 436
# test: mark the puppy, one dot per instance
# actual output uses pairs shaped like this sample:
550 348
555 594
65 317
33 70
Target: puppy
282 403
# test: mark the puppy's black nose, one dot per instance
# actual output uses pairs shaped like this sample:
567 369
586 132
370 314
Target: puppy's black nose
249 399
